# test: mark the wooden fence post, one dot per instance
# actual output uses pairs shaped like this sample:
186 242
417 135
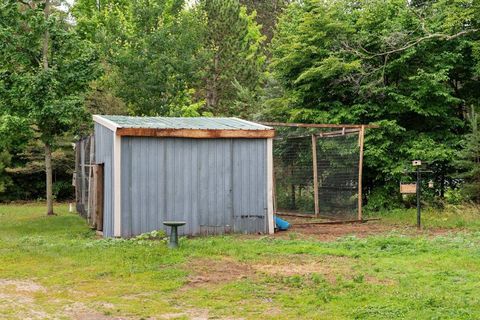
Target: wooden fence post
360 170
315 175
98 196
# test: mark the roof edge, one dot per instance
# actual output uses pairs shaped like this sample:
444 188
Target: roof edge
253 123
105 122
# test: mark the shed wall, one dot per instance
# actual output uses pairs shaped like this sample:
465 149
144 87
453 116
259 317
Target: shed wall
104 154
215 185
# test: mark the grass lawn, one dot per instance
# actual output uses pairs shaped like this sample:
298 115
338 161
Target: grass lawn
54 267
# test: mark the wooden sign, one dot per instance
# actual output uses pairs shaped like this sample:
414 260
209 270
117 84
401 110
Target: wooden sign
408 188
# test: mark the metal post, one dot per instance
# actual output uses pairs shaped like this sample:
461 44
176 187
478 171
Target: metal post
419 179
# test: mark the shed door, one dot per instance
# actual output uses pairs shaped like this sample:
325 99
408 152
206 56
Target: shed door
215 186
249 185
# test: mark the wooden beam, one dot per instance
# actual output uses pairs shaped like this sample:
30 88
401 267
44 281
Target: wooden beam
327 134
316 125
195 133
271 224
337 133
117 186
361 137
295 214
312 216
98 208
334 222
315 175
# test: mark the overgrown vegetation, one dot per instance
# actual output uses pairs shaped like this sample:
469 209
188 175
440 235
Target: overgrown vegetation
58 266
410 66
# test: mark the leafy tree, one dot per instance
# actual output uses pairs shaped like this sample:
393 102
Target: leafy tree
14 134
166 58
151 50
46 71
410 67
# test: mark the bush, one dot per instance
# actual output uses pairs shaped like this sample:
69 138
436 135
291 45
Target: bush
454 196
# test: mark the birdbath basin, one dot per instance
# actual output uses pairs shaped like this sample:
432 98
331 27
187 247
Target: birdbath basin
173 243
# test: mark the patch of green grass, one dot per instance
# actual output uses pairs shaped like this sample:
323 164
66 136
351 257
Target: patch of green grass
451 217
390 276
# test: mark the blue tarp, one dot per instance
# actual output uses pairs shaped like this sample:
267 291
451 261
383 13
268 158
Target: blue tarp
282 224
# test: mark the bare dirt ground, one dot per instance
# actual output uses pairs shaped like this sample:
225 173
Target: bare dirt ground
17 300
213 271
304 228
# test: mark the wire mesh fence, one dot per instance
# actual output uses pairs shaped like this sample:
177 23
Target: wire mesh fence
83 173
317 171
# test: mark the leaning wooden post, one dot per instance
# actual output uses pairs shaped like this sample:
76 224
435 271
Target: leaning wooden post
98 209
315 175
360 169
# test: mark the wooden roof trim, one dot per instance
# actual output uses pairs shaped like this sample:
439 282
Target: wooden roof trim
319 125
195 133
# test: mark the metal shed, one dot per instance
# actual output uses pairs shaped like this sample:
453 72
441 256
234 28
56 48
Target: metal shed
214 173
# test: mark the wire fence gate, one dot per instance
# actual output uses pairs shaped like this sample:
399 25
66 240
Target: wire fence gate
318 170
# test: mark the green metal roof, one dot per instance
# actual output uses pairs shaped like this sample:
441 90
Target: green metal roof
185 123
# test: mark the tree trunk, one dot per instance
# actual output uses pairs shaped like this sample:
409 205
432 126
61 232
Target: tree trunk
48 149
46 36
48 171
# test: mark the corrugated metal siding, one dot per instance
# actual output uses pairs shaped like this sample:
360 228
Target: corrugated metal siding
250 181
104 154
215 185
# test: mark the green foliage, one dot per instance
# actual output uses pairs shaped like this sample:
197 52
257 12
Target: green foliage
166 60
5 159
26 171
469 161
267 13
410 68
454 196
46 70
49 99
234 56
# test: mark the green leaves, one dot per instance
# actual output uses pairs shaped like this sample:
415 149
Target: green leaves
410 66
468 161
49 100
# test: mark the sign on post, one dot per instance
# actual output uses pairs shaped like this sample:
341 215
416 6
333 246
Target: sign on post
408 188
